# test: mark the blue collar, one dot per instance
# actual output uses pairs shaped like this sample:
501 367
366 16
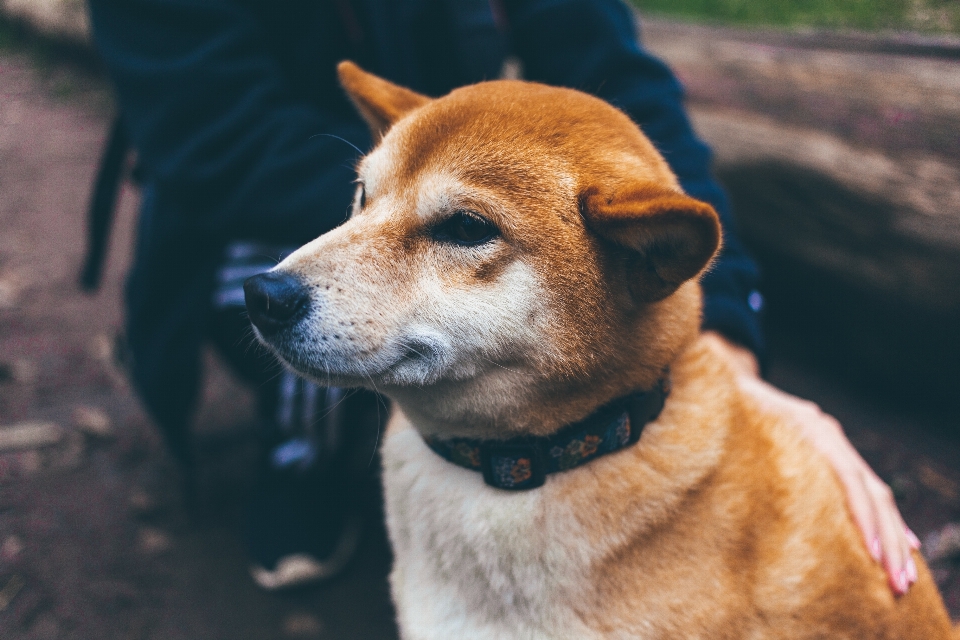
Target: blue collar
523 463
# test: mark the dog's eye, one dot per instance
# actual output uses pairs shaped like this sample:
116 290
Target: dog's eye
465 228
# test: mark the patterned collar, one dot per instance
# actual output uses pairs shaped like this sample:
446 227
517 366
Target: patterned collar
523 463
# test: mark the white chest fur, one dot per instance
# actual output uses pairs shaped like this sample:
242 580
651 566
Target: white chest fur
473 561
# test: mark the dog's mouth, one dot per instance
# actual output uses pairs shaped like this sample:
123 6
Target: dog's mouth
418 351
417 360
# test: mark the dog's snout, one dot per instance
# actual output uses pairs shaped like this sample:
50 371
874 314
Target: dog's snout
275 300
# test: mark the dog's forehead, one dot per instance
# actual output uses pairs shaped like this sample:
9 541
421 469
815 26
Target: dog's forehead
455 176
439 191
376 166
521 137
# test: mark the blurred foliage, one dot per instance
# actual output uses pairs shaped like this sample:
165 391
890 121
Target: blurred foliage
45 50
68 70
938 16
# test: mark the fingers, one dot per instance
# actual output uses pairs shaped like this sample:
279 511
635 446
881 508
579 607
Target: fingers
870 500
887 538
861 507
895 545
913 539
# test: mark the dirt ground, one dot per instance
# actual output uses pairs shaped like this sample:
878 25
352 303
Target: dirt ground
94 539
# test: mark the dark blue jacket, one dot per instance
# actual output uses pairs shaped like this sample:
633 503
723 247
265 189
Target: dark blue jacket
223 100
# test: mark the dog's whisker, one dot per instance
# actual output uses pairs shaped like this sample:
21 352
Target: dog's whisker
330 135
505 368
411 349
272 378
376 441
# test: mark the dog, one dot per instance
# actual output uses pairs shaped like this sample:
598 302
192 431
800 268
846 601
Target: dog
566 457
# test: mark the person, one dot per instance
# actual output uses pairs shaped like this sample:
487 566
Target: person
247 147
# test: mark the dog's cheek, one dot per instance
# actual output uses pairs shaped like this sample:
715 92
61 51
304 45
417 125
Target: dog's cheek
498 320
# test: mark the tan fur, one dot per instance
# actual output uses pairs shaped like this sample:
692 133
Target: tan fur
720 523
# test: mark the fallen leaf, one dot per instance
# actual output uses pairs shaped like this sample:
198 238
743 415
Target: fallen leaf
29 435
93 422
302 625
937 482
153 541
10 591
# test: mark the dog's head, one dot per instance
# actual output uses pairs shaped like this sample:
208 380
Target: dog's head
517 255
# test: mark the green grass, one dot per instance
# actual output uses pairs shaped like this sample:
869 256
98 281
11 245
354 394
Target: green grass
937 16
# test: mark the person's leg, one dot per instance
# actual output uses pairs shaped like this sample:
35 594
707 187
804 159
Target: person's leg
303 522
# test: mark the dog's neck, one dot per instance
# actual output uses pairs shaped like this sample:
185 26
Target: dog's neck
524 462
499 406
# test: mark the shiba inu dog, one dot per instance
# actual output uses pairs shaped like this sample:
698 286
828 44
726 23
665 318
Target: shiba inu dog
567 457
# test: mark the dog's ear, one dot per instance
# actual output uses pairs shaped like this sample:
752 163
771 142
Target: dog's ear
381 103
669 237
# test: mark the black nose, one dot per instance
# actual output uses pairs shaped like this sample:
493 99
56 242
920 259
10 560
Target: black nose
275 300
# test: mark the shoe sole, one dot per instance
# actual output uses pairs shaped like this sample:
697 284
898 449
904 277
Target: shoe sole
300 568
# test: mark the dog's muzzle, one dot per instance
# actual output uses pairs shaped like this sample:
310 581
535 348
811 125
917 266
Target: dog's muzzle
275 300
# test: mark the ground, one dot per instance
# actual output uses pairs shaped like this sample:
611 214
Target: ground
95 540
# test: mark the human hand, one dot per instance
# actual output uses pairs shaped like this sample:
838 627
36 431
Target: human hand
870 500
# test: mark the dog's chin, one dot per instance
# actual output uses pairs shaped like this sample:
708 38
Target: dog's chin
405 372
404 369
410 361
389 368
327 372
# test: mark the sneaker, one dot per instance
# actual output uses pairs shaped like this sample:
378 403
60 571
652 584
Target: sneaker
301 530
303 523
298 569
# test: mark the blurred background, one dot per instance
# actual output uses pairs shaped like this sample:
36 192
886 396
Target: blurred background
836 128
